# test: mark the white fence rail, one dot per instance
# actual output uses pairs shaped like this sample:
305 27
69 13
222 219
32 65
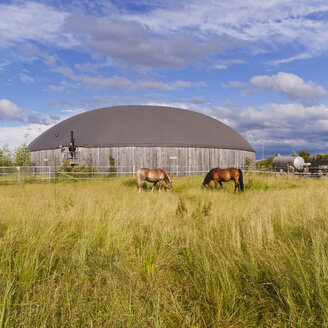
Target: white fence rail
13 174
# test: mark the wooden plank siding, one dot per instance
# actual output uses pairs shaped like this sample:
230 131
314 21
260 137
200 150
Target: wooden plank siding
177 160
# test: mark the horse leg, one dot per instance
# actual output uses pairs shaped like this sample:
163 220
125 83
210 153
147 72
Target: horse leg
152 189
220 182
216 183
236 186
160 186
140 185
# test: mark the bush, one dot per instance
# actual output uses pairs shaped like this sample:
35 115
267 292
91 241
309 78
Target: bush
265 164
66 166
112 169
81 171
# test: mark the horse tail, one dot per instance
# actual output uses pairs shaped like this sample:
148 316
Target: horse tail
207 178
241 180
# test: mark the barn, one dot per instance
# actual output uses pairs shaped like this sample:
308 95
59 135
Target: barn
181 141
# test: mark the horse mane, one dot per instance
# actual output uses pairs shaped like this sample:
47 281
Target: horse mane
166 177
208 177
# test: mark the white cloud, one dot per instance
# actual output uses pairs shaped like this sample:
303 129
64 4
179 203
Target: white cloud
50 60
114 82
10 111
27 78
283 127
291 86
220 66
94 102
55 88
129 43
119 83
233 84
279 127
235 61
33 21
291 59
181 84
170 35
3 63
162 37
225 63
66 71
152 84
87 67
260 24
14 136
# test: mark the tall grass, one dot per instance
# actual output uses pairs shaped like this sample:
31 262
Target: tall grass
99 254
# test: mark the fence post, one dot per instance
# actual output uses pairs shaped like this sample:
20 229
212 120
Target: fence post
18 174
49 173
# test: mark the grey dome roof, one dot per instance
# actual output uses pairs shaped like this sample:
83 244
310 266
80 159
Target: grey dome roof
141 126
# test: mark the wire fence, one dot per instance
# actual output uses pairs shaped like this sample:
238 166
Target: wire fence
19 174
30 174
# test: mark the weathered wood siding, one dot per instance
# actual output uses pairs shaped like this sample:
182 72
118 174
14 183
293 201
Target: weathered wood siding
177 160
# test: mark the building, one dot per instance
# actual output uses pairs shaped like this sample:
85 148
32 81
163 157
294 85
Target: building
180 141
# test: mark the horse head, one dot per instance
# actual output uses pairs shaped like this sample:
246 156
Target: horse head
169 186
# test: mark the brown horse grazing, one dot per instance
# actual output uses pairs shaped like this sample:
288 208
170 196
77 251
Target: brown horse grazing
225 175
157 175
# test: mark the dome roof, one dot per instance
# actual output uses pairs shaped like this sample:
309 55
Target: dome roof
141 126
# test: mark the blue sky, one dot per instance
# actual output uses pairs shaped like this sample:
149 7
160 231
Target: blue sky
258 66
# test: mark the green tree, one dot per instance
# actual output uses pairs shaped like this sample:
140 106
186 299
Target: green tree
305 154
294 154
22 156
5 156
265 164
320 157
248 164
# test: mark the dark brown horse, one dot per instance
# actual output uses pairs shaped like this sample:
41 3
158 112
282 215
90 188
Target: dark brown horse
157 175
225 175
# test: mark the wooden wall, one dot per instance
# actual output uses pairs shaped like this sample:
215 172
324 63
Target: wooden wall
174 159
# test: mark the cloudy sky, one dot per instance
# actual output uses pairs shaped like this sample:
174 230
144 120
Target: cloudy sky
258 66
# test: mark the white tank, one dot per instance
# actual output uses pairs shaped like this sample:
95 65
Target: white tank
284 161
299 163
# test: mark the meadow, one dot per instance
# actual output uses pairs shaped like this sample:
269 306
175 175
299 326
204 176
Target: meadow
99 254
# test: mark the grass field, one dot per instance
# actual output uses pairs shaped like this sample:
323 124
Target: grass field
98 254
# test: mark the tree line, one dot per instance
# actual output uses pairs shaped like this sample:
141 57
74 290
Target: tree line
266 163
20 157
